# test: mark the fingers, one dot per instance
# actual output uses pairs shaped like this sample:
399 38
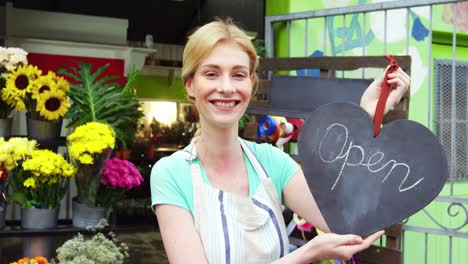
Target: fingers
350 240
372 238
400 81
349 250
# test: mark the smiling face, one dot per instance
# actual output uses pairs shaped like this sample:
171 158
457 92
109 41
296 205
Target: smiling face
222 85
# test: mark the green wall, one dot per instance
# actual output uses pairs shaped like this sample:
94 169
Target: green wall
156 87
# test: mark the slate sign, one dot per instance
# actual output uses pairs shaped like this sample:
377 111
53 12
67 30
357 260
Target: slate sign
363 184
314 92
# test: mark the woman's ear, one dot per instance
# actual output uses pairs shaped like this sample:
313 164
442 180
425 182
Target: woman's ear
189 87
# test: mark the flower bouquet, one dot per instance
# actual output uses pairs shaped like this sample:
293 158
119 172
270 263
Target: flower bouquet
40 181
43 96
10 60
118 176
89 147
35 260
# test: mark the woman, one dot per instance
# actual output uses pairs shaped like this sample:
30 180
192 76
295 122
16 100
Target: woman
219 200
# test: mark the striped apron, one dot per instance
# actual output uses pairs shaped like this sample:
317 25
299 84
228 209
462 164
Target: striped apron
236 229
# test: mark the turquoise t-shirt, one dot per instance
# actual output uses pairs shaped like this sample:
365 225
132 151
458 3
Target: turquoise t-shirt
171 181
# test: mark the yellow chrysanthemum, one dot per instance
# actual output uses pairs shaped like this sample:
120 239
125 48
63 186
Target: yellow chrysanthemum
42 84
52 104
14 150
88 139
48 166
30 182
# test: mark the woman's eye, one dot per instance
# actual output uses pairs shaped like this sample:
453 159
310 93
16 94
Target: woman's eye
240 75
210 74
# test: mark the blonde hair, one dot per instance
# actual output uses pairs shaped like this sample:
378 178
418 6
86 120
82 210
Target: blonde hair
204 39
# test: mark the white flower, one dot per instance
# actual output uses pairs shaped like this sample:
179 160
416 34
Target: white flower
17 51
18 58
4 56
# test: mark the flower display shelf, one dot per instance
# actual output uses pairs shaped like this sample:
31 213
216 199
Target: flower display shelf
64 227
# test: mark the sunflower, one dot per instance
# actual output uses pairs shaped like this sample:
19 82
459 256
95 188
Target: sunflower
14 100
52 104
21 81
62 84
42 84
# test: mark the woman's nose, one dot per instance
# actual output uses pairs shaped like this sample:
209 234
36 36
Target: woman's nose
226 85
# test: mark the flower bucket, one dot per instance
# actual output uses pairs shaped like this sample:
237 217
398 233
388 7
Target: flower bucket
36 218
5 127
43 130
84 216
2 215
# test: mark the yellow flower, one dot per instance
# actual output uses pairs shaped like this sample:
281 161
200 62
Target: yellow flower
21 80
48 166
62 84
15 149
52 104
42 84
30 182
18 83
14 100
88 139
86 159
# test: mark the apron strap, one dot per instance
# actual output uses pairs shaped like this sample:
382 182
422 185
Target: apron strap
255 163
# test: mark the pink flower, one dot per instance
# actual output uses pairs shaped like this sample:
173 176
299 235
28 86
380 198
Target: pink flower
119 173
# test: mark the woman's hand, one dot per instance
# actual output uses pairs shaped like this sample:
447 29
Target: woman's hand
398 80
333 246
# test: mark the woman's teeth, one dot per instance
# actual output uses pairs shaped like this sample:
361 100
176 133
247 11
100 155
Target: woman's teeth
225 104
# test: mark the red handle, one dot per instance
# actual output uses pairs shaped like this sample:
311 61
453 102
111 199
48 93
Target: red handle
386 88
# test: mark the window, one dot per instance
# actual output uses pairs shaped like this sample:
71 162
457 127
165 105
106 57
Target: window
451 115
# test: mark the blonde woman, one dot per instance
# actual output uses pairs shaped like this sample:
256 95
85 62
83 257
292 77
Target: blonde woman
219 200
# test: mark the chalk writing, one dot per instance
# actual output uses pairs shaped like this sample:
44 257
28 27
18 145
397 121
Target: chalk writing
339 132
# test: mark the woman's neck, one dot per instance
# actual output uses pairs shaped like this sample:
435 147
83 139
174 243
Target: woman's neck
218 146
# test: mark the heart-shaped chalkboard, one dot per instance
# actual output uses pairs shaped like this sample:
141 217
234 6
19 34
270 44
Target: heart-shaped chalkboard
363 184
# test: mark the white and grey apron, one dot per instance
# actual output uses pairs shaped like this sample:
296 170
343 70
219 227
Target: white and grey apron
236 229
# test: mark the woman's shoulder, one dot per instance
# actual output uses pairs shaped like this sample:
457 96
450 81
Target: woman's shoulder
174 163
261 148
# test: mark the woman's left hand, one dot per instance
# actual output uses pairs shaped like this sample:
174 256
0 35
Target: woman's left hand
399 80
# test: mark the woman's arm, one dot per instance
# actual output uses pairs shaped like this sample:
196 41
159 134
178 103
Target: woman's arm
298 198
180 237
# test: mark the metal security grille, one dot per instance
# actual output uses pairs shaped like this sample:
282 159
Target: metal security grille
451 113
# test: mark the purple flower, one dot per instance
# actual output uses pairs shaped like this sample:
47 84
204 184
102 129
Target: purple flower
119 173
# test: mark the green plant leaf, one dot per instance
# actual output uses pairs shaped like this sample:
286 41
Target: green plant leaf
98 98
20 198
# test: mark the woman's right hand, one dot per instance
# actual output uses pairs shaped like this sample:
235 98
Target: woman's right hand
333 246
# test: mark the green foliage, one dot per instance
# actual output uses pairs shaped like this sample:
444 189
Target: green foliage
98 98
259 45
243 122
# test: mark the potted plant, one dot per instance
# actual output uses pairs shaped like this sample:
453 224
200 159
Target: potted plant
118 177
38 184
10 59
98 249
34 260
97 98
43 96
89 147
